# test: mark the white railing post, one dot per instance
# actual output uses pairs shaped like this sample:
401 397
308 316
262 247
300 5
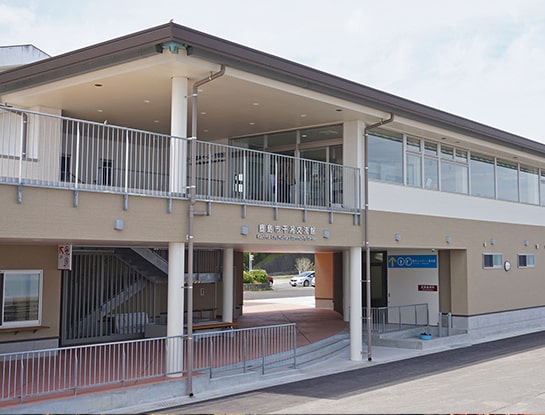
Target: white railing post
211 355
127 155
21 148
76 374
21 380
244 350
76 174
294 337
263 351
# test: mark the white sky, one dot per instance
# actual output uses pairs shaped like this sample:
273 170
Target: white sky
479 59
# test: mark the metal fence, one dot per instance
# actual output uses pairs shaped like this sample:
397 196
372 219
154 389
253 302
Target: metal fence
395 318
42 372
50 151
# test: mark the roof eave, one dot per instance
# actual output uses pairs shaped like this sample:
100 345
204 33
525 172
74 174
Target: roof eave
143 43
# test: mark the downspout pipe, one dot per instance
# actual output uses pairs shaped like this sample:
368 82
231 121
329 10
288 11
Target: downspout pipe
366 236
191 223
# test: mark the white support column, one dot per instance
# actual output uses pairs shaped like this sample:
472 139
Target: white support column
175 308
178 128
228 285
356 332
346 286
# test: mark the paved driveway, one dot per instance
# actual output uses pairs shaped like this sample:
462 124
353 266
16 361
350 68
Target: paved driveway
505 376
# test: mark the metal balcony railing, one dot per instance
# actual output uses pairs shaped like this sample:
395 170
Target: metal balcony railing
43 150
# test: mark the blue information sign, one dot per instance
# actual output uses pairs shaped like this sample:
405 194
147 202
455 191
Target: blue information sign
412 261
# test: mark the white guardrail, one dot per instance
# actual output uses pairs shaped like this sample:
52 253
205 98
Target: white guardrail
42 372
395 318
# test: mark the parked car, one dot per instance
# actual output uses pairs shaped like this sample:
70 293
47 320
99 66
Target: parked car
313 281
303 279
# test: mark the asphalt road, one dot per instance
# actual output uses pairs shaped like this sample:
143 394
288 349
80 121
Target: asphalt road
505 376
281 289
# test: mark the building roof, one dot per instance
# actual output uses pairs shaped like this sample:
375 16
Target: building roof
18 55
147 43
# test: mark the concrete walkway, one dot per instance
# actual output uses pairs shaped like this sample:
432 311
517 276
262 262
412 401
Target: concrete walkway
312 326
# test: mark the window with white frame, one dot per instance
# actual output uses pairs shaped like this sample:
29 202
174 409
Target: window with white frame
21 297
492 261
526 260
386 157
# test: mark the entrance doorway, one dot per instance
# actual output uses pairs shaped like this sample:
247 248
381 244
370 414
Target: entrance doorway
379 279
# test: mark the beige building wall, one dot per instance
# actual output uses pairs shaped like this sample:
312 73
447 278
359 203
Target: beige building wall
473 290
28 257
324 274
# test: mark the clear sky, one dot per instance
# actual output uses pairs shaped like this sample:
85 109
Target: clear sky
479 59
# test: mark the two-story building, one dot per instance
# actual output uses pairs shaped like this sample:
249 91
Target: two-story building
119 159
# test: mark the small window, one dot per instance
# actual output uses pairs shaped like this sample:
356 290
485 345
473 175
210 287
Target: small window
20 298
526 261
492 261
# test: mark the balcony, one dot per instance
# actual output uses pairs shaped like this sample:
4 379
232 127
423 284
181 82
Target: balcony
42 150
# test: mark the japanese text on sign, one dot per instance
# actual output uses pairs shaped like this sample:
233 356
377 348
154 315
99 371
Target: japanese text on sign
412 261
286 232
64 257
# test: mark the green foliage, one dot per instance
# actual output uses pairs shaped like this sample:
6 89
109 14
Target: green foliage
256 276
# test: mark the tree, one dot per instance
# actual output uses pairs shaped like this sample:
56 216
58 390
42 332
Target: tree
303 264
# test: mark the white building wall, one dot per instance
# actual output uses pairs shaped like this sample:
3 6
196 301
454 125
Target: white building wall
403 287
13 56
401 199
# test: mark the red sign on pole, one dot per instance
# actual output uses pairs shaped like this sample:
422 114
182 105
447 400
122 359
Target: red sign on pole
427 287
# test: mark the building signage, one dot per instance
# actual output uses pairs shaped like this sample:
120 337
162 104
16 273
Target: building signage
284 232
427 287
64 257
412 261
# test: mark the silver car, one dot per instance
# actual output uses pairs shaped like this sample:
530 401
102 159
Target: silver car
303 279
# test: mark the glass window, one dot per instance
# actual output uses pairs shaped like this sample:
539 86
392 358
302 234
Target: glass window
385 158
414 170
431 173
413 145
254 143
447 153
21 297
430 149
507 180
542 187
492 260
287 138
529 185
460 155
454 178
526 261
482 176
330 132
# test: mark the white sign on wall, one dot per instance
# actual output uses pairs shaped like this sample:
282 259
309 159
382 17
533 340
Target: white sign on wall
64 257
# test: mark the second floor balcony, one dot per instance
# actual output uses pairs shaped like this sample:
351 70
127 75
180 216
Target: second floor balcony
50 151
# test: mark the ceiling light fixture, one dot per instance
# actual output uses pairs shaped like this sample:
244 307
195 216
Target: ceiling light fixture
98 85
